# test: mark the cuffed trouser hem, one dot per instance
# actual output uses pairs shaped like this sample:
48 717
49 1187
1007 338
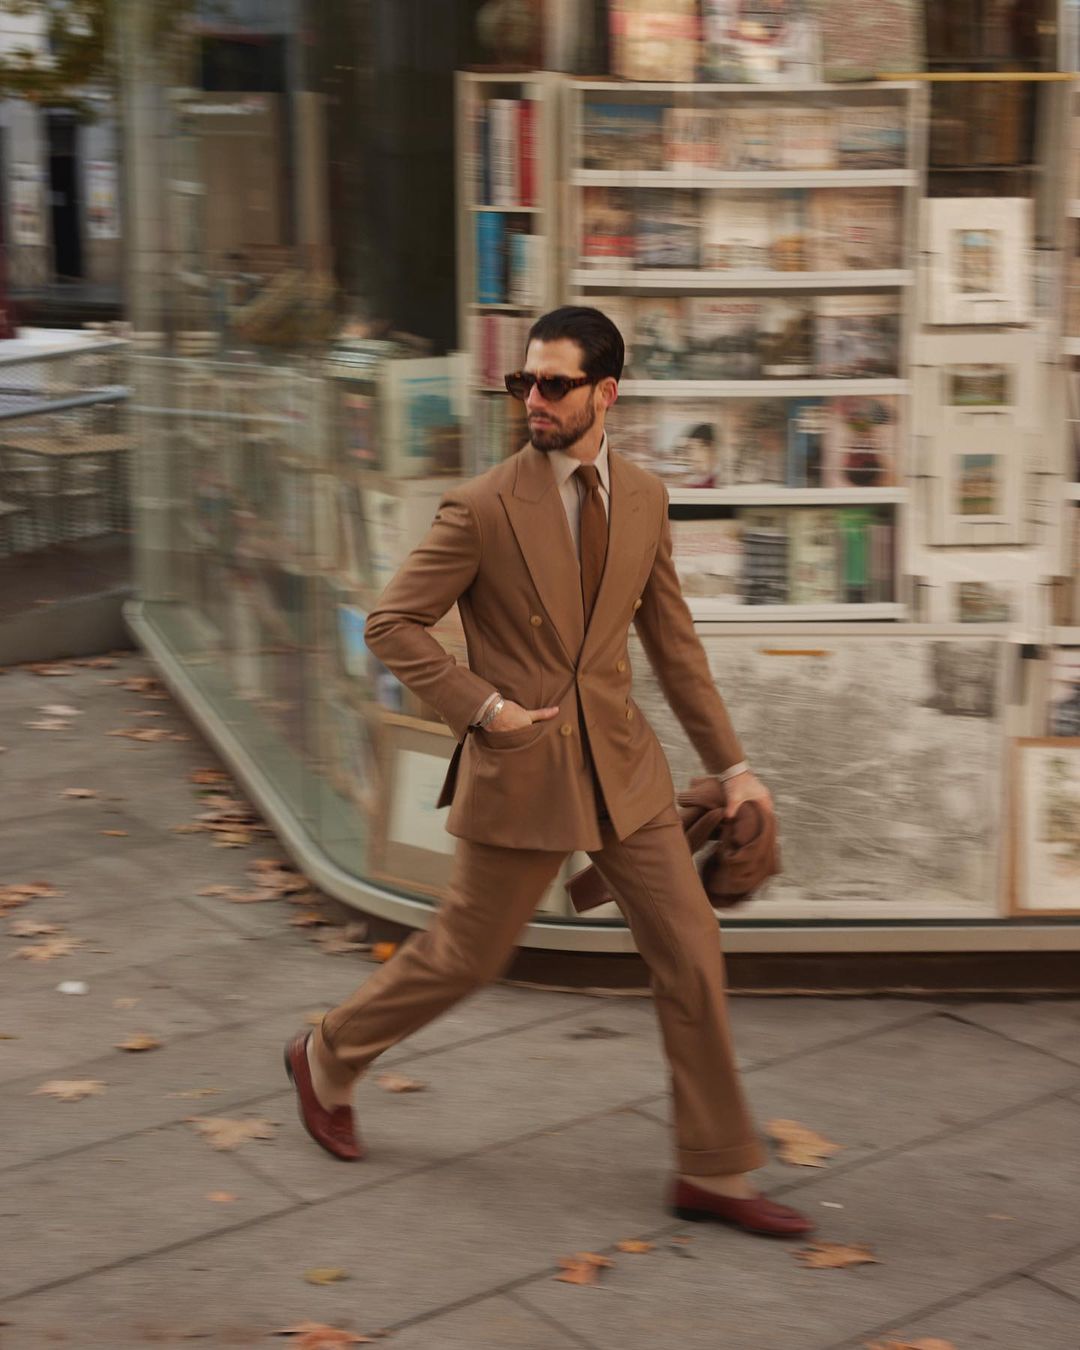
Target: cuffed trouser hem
338 1072
720 1162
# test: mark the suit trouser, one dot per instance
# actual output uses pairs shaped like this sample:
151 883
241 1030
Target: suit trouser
492 895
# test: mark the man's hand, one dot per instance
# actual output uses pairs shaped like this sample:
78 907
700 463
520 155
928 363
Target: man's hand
746 787
513 717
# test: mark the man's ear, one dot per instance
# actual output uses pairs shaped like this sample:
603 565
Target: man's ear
610 391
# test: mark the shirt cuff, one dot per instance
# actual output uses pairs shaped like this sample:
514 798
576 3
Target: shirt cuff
733 772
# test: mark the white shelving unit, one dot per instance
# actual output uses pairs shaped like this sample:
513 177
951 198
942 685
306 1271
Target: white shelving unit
590 283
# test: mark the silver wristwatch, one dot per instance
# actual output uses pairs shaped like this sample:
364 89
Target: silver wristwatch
492 712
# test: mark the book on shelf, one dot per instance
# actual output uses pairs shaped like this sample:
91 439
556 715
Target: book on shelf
511 261
859 42
861 442
498 346
708 558
501 164
807 430
607 228
765 575
722 338
815 557
667 229
526 269
623 135
690 447
490 257
659 338
758 439
654 39
857 336
787 337
871 136
854 524
854 230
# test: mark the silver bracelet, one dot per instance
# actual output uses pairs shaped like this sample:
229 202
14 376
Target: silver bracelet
733 772
492 712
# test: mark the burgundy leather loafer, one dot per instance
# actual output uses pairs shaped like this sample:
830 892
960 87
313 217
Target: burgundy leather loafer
335 1129
756 1215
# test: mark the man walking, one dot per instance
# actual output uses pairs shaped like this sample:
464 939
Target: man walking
551 556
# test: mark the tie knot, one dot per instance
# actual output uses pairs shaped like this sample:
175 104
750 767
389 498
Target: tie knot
589 475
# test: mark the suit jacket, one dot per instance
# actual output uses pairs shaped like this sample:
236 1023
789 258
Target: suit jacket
500 546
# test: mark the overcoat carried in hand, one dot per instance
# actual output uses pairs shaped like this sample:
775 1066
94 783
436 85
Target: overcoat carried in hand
500 546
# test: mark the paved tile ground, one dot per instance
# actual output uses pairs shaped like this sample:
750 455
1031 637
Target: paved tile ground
537 1135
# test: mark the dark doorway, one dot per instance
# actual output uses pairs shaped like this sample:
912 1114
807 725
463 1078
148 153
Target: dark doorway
64 198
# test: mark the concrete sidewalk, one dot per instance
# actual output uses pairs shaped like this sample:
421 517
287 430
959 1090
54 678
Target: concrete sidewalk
540 1132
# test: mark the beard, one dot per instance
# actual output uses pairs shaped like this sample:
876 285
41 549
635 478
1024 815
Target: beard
562 434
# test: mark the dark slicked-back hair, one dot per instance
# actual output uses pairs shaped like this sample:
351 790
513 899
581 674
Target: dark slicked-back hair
602 347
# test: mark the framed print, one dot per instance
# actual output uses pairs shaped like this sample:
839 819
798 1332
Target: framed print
976 379
1046 826
979 265
412 849
978 473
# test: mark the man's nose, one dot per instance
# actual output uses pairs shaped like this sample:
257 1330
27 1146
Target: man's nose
535 399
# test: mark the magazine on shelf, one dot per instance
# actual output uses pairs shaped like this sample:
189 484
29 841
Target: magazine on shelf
422 413
757 435
765 578
815 557
660 349
854 524
623 135
854 230
667 231
620 310
857 336
751 138
859 42
722 335
654 39
358 438
790 245
708 558
870 136
738 231
607 228
632 432
691 447
807 429
787 337
861 442
1064 702
806 138
748 42
694 139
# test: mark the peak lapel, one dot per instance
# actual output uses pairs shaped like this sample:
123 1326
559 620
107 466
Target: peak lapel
626 542
538 519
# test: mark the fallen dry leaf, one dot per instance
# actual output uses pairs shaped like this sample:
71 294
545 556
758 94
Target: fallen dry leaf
835 1255
140 1041
799 1145
308 918
124 1002
397 1082
96 663
60 710
78 792
33 928
634 1246
214 890
115 834
50 670
319 1336
682 1241
208 776
140 733
226 1134
336 943
47 724
221 1197
199 1092
383 951
29 890
70 1089
325 1275
583 1268
50 949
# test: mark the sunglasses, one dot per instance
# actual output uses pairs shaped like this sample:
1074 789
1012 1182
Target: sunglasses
552 387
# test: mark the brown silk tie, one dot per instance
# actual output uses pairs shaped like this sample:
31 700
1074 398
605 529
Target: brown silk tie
594 536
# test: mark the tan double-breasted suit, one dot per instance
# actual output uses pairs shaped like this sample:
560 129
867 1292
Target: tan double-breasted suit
593 778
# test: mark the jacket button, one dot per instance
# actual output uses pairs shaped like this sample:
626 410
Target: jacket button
566 729
629 714
620 666
637 604
536 620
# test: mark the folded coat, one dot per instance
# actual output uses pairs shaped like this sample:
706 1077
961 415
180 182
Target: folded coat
739 853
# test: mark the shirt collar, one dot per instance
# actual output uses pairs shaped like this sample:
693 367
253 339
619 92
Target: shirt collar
564 465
